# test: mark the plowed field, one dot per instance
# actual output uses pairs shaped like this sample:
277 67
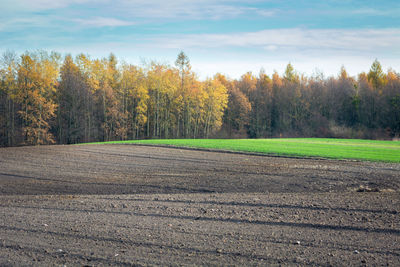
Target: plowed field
139 205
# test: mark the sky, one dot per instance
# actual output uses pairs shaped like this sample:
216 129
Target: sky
230 37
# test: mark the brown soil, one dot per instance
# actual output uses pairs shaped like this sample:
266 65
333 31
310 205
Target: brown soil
135 205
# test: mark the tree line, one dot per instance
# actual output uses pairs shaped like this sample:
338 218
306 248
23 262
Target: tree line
47 99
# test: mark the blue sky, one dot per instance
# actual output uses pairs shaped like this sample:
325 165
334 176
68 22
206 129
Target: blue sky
231 37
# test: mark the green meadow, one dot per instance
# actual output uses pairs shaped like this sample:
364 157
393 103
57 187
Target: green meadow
370 150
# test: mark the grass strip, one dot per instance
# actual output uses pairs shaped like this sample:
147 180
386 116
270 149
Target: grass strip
356 149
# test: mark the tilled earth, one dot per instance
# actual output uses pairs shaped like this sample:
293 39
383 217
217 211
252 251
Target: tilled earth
138 205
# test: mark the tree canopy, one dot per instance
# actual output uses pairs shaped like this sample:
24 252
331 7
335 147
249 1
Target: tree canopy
45 99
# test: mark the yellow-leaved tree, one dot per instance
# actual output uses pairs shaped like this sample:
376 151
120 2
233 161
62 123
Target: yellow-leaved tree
215 102
37 83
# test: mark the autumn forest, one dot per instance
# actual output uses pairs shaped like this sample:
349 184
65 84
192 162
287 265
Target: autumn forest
47 99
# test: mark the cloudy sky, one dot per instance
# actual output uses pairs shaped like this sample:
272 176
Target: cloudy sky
231 37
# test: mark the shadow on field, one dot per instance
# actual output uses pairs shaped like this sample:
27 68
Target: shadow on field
272 240
92 187
228 220
127 242
283 206
57 255
180 159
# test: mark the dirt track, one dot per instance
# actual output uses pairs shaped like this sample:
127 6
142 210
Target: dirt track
125 204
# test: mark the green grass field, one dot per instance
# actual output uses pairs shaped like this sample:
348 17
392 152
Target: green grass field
370 150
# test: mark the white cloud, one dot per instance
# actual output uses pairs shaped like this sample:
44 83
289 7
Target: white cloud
151 9
20 23
376 12
266 13
178 9
40 4
271 47
103 22
338 40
